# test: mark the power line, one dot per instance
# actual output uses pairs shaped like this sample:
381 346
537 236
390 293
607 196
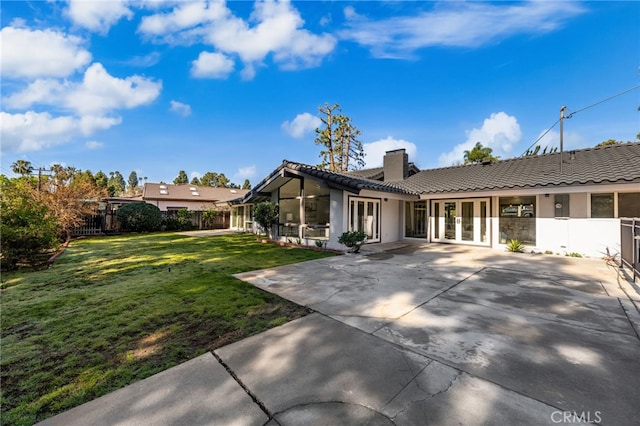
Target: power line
603 101
541 136
580 110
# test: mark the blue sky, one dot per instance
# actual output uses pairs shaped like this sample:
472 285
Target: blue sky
162 86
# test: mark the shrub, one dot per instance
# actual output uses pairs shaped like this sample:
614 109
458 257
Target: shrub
353 240
266 215
29 231
515 246
170 224
139 217
185 219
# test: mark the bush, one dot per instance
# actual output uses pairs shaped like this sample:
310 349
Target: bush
139 217
170 224
29 231
185 218
353 240
266 215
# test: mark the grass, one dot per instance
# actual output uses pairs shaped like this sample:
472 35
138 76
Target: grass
115 310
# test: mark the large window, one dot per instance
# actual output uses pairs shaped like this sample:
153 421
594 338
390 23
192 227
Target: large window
602 205
289 208
518 219
316 210
304 208
629 204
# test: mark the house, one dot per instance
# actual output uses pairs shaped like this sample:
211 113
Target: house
568 202
169 197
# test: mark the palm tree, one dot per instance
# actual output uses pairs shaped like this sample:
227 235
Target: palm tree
22 167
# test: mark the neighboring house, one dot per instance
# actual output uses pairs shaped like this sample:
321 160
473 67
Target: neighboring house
567 202
169 197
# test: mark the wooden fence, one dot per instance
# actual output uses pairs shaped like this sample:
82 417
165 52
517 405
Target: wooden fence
108 223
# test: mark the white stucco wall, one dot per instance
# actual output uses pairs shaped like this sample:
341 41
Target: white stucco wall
391 220
589 237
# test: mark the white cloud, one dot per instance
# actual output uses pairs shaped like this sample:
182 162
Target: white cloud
84 108
211 65
180 108
195 175
99 91
94 144
374 151
459 24
571 140
143 61
499 132
274 28
303 123
183 16
33 131
40 53
98 16
246 172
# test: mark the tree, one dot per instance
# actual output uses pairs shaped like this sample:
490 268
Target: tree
246 184
133 182
116 184
479 154
70 196
101 179
209 179
266 215
536 150
22 167
339 137
182 178
29 232
139 217
223 181
608 142
195 181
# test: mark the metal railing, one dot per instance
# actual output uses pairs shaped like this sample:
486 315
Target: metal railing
630 245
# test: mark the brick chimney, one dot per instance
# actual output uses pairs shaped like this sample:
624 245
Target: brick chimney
396 165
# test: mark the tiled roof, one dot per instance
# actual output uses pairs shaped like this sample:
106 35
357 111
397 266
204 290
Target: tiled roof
611 164
338 179
344 179
186 192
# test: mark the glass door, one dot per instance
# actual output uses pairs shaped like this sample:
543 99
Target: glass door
364 216
450 221
461 221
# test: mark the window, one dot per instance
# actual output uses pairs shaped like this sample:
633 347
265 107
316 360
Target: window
289 208
561 204
629 204
602 205
517 219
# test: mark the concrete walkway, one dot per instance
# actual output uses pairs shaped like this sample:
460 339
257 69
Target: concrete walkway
438 335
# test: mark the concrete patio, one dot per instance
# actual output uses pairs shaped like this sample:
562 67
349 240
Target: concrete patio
419 334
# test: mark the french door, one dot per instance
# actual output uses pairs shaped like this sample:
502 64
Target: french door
364 215
461 221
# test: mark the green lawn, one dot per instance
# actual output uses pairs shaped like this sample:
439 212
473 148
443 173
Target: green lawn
114 310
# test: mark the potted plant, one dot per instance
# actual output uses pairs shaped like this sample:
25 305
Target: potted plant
353 240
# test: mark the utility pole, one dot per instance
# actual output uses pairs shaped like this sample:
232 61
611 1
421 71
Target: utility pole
561 134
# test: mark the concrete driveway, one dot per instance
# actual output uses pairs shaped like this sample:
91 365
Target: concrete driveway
447 335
